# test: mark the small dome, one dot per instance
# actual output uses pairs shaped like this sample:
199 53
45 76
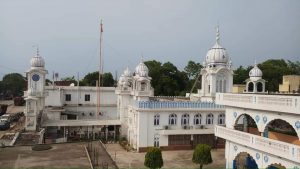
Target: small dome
37 61
142 70
255 73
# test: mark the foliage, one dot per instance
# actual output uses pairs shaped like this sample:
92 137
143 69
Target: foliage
167 79
202 155
69 79
192 69
273 70
241 74
153 158
13 83
91 78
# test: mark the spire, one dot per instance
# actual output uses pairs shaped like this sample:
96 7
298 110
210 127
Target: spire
142 58
217 34
37 51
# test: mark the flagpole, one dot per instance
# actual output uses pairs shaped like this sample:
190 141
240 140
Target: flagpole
100 68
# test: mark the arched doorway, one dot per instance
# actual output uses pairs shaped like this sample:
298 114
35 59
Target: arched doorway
246 124
276 166
259 87
281 130
250 87
244 161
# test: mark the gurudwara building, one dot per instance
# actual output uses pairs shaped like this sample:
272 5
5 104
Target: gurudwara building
260 130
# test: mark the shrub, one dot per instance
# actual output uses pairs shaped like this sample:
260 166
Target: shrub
153 158
202 155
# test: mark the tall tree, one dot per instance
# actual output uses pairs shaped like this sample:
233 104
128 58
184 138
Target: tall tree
91 78
193 69
13 83
153 158
273 70
202 155
241 74
166 78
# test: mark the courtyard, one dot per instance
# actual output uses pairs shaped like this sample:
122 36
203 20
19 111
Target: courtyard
172 159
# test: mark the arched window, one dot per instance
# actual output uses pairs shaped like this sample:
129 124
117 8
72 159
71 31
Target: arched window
197 119
172 119
156 141
250 87
210 119
185 119
156 120
143 86
224 86
259 87
217 86
220 86
221 118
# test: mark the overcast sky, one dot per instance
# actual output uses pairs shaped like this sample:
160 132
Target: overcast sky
67 32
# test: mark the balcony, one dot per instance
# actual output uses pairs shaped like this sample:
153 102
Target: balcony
281 149
176 130
277 103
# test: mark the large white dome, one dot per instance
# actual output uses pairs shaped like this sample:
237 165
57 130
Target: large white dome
142 70
217 54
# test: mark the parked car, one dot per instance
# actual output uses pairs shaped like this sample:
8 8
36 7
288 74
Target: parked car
14 117
4 125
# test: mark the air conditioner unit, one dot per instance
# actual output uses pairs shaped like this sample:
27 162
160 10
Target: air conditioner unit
201 127
185 127
166 127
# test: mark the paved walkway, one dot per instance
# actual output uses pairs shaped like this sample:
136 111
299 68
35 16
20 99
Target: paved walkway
172 159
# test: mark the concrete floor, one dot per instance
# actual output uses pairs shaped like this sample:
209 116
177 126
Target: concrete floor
172 159
71 155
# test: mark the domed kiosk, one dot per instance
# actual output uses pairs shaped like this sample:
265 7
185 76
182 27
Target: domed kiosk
255 84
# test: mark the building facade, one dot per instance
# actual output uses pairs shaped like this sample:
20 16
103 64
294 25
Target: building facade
173 122
262 131
290 84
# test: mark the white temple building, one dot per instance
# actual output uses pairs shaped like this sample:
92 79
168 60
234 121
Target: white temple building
261 130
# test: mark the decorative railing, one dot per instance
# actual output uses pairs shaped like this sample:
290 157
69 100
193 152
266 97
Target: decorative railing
278 103
279 148
176 104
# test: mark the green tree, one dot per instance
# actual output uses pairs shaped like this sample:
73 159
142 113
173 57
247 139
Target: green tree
13 83
273 70
202 155
193 69
91 78
166 78
153 158
69 79
241 74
